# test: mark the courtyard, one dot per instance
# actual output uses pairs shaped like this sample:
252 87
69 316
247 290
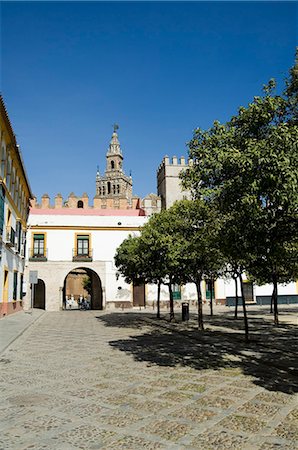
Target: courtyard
99 380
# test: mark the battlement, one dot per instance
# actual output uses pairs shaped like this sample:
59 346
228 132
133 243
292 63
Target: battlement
173 161
75 202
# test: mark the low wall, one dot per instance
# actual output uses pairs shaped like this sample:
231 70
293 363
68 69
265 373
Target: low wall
266 300
8 308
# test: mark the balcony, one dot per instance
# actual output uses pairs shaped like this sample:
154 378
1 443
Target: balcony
10 237
82 257
37 257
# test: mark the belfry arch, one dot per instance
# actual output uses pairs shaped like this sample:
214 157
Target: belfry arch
73 287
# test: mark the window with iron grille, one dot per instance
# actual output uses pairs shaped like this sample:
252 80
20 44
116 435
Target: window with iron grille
21 286
38 245
83 245
15 285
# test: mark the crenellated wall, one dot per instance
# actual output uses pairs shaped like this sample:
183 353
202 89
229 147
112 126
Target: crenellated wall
76 202
73 202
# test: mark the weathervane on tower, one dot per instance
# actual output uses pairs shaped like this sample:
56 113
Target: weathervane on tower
116 127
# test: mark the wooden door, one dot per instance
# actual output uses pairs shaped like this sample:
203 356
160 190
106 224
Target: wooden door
139 295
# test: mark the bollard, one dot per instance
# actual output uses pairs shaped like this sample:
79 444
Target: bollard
185 312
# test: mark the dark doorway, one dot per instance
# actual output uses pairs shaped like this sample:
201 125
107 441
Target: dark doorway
248 291
139 295
82 282
39 300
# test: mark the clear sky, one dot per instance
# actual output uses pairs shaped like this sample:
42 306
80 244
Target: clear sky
70 70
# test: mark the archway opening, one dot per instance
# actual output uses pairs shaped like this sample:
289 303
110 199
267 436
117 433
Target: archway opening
80 204
39 298
82 285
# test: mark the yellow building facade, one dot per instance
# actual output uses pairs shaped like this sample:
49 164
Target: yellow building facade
15 195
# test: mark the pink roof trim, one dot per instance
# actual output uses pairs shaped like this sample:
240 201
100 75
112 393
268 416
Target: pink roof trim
86 212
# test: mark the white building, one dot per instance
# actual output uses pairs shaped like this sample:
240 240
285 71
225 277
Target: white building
73 243
66 245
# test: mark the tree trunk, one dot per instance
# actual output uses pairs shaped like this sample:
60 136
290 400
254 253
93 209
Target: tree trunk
244 310
211 298
158 299
272 299
274 295
200 308
236 294
172 316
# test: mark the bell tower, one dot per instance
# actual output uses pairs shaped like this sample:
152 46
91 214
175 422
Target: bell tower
114 188
114 155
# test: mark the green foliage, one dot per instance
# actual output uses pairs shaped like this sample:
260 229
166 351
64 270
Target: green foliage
87 285
247 169
195 226
129 261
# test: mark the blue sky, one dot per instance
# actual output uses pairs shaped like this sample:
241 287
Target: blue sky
69 70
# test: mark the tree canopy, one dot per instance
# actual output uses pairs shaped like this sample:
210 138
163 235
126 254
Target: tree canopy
248 169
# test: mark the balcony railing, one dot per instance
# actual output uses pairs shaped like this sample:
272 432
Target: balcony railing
37 256
86 257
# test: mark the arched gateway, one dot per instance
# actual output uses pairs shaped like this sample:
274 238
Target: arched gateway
39 297
82 282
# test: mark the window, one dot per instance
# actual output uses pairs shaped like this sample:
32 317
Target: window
13 183
1 210
15 285
8 217
83 245
118 189
8 173
109 187
17 192
21 286
10 232
80 204
112 165
3 159
209 289
176 291
18 236
5 286
24 242
114 189
38 245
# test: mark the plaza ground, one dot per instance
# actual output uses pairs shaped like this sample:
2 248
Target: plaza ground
125 380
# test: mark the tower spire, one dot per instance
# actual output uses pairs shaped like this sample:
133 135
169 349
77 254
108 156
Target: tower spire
114 147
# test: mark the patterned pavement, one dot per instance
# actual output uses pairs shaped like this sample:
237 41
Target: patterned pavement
97 380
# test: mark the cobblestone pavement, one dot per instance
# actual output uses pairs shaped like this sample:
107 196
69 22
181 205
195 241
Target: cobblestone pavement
96 380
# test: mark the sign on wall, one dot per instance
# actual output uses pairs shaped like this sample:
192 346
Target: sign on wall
33 276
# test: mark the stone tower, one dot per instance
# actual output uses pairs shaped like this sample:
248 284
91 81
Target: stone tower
114 188
169 183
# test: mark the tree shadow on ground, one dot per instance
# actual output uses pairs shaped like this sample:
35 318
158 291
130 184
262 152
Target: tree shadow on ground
270 357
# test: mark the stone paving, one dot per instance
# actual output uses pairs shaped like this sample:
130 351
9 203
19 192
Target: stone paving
97 380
